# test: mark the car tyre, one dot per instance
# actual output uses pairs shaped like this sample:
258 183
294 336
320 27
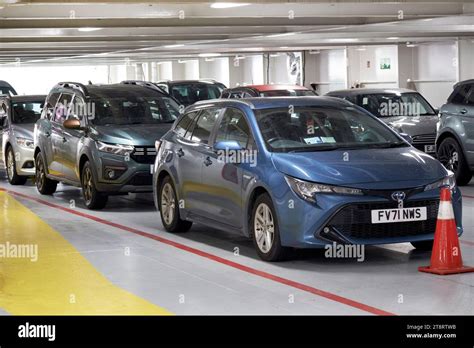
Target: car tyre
450 154
265 231
44 185
10 163
424 245
93 199
169 209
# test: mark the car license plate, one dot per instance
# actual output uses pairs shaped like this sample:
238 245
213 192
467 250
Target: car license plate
383 216
430 148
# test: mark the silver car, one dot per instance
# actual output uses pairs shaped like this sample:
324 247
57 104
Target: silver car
455 141
403 109
18 115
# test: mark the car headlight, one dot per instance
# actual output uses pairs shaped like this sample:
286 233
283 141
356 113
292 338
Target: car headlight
447 181
25 142
308 190
115 149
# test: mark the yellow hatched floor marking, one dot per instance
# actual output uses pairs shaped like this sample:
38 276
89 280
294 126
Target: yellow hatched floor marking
61 274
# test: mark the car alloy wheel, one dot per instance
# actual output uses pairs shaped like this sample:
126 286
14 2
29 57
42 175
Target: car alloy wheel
87 185
264 228
40 175
168 202
10 165
449 156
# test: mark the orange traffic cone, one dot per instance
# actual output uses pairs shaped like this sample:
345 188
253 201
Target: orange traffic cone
446 255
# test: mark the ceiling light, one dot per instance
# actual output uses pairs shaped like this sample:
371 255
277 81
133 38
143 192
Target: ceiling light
342 40
274 55
88 29
239 57
173 46
221 5
393 38
280 35
284 47
360 49
209 55
314 52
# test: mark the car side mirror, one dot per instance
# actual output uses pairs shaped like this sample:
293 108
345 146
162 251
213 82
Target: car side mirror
227 145
407 137
436 111
73 123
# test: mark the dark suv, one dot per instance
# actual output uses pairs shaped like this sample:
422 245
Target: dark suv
187 92
454 142
100 137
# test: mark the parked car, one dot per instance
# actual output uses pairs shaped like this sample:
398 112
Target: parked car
320 172
251 91
6 88
405 110
454 143
101 138
187 92
18 115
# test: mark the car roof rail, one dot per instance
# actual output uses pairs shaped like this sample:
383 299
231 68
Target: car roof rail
74 85
142 83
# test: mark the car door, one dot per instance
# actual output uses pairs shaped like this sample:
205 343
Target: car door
222 173
55 160
71 139
191 150
3 124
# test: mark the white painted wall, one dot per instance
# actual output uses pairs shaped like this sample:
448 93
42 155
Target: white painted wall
249 71
327 69
217 69
435 70
40 79
165 70
466 59
365 66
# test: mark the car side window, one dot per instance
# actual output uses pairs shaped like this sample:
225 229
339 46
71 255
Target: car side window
184 124
234 126
204 125
3 113
470 98
459 95
48 110
77 109
61 110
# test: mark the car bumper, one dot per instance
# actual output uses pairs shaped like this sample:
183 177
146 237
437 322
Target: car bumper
129 175
24 158
347 219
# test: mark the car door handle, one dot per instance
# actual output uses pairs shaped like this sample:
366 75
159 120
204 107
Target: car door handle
64 140
463 111
180 153
207 161
48 134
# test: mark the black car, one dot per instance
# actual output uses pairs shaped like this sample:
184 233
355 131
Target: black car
187 92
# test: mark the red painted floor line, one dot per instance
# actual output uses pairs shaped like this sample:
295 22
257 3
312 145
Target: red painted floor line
250 270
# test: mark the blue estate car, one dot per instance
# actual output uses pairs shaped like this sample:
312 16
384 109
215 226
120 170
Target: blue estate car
297 172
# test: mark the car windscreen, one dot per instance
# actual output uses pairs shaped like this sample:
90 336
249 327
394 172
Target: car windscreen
392 104
322 129
288 93
188 94
133 109
26 112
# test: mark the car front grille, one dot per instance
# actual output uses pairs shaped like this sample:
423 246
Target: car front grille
144 154
141 179
427 139
354 221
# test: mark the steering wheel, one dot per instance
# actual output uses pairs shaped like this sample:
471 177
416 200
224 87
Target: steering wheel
271 140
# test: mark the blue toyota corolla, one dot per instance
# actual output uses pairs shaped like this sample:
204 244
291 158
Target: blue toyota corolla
297 172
